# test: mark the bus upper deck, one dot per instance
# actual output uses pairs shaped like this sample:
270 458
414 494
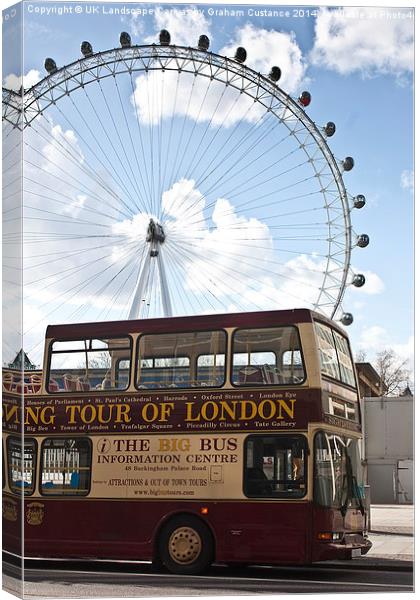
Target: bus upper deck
210 366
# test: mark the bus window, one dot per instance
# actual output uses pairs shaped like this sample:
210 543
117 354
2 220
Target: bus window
344 359
65 466
275 466
338 477
182 360
335 355
211 367
260 356
89 364
21 456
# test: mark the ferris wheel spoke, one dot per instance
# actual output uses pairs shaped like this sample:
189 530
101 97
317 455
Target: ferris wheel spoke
88 191
217 281
145 202
206 174
109 167
74 269
132 179
203 152
77 185
70 293
252 283
178 280
101 290
259 264
66 150
67 254
66 205
169 142
142 144
231 154
192 130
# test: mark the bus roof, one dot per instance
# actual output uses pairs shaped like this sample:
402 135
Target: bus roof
189 323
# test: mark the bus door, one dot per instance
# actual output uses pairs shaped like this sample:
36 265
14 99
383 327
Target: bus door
275 520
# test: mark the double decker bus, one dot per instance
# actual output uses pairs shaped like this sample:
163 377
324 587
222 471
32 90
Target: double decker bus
225 438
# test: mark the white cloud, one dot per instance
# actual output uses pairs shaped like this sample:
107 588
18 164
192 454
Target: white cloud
199 98
373 285
14 82
346 43
135 24
267 48
185 26
376 338
407 180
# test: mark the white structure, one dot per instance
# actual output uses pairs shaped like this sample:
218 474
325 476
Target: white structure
388 448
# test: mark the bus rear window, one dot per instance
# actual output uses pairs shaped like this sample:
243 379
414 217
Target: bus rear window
66 466
182 360
89 364
334 353
21 455
267 357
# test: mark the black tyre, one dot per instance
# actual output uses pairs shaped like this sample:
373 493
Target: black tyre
186 546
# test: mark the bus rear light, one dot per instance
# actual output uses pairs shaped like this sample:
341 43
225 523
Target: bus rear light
329 536
204 510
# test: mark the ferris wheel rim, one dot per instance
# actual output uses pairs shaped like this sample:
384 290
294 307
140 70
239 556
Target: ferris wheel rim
30 102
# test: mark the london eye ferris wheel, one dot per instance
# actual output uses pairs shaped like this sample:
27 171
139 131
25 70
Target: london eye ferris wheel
169 180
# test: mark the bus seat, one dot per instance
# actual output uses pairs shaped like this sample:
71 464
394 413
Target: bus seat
53 386
8 381
70 382
250 374
83 384
257 482
35 382
74 480
272 375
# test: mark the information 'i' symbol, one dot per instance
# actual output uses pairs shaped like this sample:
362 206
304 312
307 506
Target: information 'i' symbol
103 446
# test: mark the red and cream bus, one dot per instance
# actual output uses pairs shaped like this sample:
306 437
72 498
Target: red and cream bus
186 441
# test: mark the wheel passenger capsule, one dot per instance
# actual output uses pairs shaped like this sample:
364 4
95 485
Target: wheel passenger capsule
348 163
363 240
329 129
240 54
86 49
347 319
275 74
305 99
203 42
359 201
125 40
164 38
50 66
359 280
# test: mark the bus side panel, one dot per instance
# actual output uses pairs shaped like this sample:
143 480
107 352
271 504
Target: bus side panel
272 532
12 524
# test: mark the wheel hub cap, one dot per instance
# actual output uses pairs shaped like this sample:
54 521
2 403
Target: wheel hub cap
184 545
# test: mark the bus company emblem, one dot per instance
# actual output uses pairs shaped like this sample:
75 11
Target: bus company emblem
35 513
9 507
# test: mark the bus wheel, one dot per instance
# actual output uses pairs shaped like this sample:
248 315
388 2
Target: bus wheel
186 546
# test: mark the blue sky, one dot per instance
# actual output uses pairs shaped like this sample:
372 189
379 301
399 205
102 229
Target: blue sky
359 70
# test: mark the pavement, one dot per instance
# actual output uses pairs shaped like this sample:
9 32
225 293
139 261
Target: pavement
391 532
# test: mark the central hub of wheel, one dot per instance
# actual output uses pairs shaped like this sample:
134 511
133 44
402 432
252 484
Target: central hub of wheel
155 236
155 232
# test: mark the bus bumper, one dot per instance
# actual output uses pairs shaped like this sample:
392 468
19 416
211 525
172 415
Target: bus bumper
353 545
